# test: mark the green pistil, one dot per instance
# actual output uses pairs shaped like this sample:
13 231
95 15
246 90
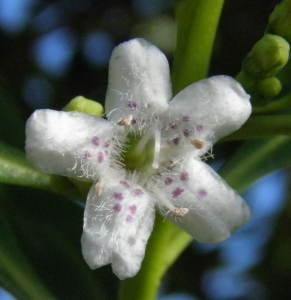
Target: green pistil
138 161
132 159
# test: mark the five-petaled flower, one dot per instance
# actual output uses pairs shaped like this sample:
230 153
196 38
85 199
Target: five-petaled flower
146 155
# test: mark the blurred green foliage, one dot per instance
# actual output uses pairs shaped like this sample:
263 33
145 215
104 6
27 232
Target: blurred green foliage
40 255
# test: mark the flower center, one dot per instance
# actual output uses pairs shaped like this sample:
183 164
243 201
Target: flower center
133 159
142 154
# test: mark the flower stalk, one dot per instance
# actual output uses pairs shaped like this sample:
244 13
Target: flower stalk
197 22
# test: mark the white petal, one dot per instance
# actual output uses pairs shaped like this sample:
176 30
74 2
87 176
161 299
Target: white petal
69 143
139 82
117 225
215 210
205 111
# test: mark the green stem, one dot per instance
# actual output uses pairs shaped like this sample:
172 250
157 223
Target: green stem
197 24
197 21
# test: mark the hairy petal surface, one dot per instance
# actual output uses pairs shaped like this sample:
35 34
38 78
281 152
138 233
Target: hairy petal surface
69 143
215 210
117 225
139 83
205 111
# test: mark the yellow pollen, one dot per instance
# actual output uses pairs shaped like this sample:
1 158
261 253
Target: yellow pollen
197 144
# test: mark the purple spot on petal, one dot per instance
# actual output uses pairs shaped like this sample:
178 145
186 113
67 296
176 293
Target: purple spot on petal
118 196
177 192
117 207
175 141
133 209
132 105
137 192
186 119
86 154
129 218
95 141
184 176
107 144
100 157
133 121
168 181
124 183
173 126
202 193
199 128
186 133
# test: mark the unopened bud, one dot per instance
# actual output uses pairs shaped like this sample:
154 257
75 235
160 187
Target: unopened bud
268 88
267 57
280 20
85 106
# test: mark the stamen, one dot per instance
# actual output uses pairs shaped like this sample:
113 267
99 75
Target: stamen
155 164
99 187
177 212
125 121
159 195
197 144
143 141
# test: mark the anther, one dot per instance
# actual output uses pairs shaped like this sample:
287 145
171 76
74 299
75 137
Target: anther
99 187
180 212
125 121
197 144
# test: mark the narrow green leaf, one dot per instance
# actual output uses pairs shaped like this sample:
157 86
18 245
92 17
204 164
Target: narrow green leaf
261 127
256 159
14 169
281 104
16 274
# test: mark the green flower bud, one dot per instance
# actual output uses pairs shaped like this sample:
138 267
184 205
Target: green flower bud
267 57
85 106
268 88
280 20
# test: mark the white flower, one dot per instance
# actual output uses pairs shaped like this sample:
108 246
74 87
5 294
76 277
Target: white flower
146 155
